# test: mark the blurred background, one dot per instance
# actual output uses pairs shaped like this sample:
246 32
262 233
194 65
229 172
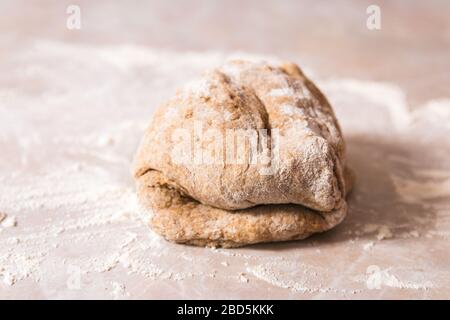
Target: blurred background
412 48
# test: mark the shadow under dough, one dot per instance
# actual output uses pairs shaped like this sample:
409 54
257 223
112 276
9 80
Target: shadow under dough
374 199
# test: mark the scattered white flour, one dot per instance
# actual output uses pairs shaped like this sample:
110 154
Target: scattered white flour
388 98
416 191
435 111
368 246
8 279
414 234
200 87
370 227
119 291
77 209
379 278
243 278
282 92
8 221
105 140
2 216
289 109
298 277
227 115
384 232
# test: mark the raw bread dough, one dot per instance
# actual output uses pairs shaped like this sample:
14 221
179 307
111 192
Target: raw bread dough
188 174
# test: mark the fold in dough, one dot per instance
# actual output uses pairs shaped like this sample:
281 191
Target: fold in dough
299 190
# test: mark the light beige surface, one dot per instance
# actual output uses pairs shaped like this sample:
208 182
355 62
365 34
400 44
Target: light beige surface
71 115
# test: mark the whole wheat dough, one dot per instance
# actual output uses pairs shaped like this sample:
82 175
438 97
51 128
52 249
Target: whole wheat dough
188 174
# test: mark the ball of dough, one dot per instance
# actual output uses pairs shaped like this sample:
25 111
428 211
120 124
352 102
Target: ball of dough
251 152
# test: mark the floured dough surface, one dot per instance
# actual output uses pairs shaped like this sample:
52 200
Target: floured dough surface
296 188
